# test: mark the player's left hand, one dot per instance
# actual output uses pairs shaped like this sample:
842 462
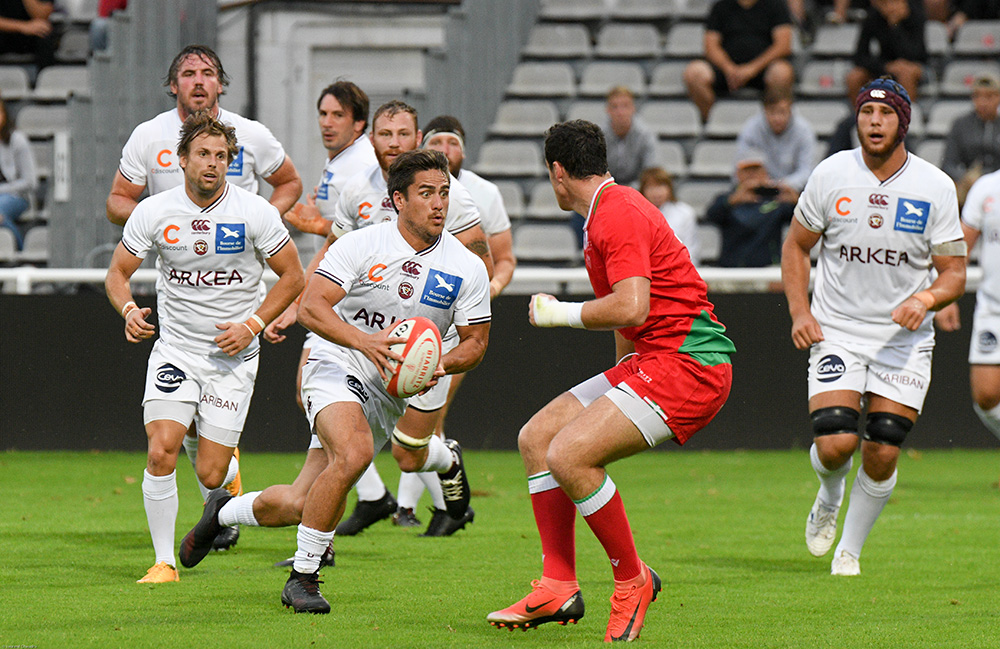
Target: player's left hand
438 373
235 337
910 314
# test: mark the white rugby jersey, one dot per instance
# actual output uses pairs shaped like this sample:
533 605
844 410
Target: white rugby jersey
338 172
876 246
149 157
365 200
487 196
210 260
387 280
982 212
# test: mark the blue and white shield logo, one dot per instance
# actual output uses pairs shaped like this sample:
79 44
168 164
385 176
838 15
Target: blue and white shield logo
230 238
440 289
236 166
911 215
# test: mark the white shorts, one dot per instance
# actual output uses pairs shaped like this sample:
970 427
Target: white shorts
901 374
984 348
219 387
325 382
436 397
654 430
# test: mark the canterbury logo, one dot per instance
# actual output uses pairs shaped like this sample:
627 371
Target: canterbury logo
880 94
411 268
879 200
200 225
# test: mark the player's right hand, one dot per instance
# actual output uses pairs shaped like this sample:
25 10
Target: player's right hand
377 348
306 218
948 318
806 331
136 327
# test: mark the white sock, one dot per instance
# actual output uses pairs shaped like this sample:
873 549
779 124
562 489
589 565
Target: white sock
831 482
599 498
868 497
234 469
312 545
370 485
159 495
239 511
433 484
439 456
411 487
991 418
191 450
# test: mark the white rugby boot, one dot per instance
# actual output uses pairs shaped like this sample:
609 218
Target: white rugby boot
845 565
821 528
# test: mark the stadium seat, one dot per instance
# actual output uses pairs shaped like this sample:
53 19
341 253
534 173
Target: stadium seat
43 152
542 80
916 128
692 9
936 38
548 243
667 80
40 121
959 75
978 38
514 158
56 82
542 203
36 246
932 151
670 156
685 41
598 78
80 10
14 82
524 117
713 159
513 198
628 41
824 78
700 194
74 46
592 111
823 116
8 246
836 40
643 9
573 9
672 118
558 41
943 113
728 117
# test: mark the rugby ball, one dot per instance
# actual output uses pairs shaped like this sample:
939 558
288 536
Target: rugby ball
421 353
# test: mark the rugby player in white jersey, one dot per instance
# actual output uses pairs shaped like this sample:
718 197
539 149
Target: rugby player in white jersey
149 161
885 220
368 280
211 240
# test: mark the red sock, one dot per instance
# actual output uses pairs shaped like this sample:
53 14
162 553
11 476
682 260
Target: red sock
610 525
555 515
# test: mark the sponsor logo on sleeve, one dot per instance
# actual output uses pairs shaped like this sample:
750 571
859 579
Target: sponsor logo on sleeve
440 289
169 377
236 166
230 238
911 215
830 368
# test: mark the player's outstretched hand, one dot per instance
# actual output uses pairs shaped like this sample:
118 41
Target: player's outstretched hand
306 218
806 331
136 327
948 318
272 332
377 347
910 314
235 337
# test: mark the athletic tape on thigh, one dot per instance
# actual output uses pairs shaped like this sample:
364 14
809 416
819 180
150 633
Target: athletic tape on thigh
404 440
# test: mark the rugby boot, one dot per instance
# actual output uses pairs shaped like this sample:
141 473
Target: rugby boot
404 517
160 573
301 593
628 606
455 483
197 543
367 513
540 606
444 525
845 564
821 528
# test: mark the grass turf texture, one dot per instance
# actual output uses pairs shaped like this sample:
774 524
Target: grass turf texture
723 529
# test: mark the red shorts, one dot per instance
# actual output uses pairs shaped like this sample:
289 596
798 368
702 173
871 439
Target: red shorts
688 393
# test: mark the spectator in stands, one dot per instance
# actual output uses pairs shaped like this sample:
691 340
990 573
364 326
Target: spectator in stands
99 25
891 41
631 144
747 43
966 10
973 145
752 215
17 174
657 185
25 29
786 139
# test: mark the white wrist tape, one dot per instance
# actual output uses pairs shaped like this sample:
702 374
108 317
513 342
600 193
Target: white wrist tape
256 318
550 312
128 307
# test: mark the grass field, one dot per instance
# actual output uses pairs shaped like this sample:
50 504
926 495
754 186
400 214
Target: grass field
723 529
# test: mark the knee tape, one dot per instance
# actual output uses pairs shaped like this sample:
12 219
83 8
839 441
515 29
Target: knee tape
835 421
887 428
412 443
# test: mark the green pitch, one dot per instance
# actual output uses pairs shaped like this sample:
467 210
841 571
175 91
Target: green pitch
723 529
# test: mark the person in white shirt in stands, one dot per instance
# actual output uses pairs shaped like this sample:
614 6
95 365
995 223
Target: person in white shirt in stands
891 252
149 161
657 185
212 240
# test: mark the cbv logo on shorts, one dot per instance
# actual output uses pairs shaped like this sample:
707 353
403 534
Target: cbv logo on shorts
169 378
831 367
911 215
230 238
440 289
236 166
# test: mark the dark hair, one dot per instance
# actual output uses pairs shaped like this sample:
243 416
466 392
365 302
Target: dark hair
406 166
579 146
202 123
8 123
393 108
445 124
351 98
202 52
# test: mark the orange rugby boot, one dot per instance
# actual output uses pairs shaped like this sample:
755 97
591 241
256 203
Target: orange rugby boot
540 606
160 573
629 604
